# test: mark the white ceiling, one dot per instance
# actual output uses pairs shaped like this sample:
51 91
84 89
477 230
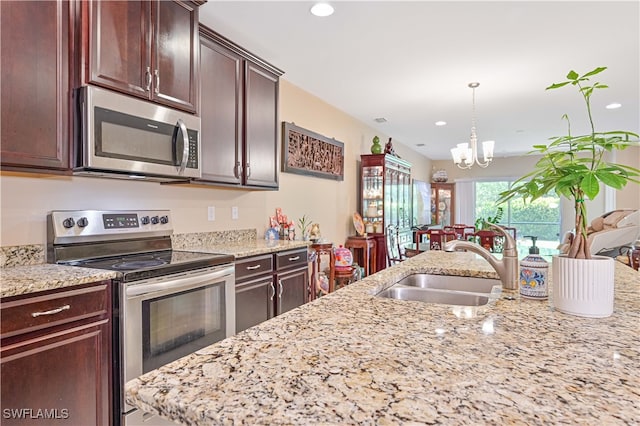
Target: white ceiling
410 62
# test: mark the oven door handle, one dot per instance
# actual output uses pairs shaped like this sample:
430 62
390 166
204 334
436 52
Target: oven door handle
179 283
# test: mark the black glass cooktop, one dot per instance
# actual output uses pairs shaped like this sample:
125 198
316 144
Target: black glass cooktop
153 264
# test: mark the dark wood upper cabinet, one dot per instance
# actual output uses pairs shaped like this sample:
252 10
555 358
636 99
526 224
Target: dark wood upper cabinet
146 49
221 91
261 126
36 58
239 110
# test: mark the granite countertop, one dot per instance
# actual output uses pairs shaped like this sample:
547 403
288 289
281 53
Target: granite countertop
353 358
19 280
24 272
242 249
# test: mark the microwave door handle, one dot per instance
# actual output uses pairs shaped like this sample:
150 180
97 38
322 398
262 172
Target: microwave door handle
185 141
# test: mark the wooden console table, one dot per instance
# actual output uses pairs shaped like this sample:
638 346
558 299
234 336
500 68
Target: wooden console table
323 249
367 256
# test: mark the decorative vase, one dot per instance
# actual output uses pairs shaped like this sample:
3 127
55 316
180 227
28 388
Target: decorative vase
376 148
583 287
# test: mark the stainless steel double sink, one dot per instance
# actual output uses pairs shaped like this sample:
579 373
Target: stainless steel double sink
444 289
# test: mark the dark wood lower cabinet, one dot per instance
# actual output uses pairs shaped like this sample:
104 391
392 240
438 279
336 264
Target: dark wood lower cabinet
292 290
263 291
254 302
56 370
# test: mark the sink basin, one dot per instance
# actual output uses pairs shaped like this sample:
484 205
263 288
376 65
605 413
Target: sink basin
435 296
450 282
444 289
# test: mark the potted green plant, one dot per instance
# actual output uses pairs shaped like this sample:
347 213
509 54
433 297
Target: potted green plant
304 224
575 167
482 223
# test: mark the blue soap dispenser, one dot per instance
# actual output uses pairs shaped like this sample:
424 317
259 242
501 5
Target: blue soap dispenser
533 274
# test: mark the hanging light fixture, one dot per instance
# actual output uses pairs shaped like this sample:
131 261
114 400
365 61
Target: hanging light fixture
466 154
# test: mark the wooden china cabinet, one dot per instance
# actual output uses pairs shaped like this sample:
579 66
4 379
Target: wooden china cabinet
385 199
442 204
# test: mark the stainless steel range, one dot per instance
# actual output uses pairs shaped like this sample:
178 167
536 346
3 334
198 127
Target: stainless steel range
167 303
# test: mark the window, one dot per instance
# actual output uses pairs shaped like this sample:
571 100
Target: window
540 218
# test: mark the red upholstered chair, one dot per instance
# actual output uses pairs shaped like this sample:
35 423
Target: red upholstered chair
438 238
486 239
463 232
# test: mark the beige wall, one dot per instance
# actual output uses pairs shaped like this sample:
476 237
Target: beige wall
629 197
25 201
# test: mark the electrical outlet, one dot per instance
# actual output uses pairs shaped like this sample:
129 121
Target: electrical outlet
234 213
211 213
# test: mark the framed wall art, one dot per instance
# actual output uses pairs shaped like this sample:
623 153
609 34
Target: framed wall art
308 153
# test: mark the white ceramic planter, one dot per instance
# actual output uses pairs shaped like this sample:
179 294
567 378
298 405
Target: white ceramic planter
583 287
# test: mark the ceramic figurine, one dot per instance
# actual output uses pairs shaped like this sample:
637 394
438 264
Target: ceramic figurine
314 233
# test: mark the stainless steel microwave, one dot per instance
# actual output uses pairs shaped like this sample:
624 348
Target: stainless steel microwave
124 137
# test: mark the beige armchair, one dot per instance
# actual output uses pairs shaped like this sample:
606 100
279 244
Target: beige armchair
613 229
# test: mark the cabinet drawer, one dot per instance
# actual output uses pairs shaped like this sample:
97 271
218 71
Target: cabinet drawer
255 265
38 312
291 259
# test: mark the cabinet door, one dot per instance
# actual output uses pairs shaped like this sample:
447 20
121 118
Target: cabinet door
120 57
66 373
175 54
221 112
292 290
254 302
35 85
261 129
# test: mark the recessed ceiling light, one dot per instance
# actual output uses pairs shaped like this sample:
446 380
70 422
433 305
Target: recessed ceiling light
322 9
419 144
380 120
613 105
441 123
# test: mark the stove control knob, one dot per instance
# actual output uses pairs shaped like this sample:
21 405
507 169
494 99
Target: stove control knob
68 222
154 220
82 222
144 220
164 219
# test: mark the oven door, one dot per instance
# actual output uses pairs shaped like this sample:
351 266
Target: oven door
170 317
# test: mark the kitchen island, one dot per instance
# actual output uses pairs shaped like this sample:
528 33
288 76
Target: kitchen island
353 358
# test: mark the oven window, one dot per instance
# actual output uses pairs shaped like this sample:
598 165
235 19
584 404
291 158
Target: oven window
178 324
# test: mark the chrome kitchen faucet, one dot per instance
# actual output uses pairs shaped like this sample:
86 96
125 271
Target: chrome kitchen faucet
507 267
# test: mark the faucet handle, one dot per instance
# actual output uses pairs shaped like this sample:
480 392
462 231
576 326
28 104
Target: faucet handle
510 247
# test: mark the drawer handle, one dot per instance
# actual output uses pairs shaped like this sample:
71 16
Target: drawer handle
51 312
291 259
252 268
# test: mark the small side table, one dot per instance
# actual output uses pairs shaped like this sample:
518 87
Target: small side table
368 246
324 249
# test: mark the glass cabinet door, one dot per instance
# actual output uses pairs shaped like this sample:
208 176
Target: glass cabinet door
444 207
372 191
442 212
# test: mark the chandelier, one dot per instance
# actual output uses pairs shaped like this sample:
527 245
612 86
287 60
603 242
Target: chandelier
466 154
